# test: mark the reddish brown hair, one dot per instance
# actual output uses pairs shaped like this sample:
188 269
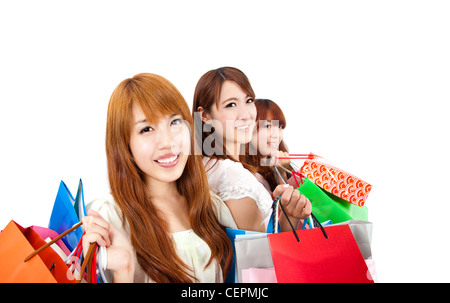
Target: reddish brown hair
150 238
207 93
266 110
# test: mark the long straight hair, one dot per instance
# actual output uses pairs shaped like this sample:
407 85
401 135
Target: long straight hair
266 110
155 250
206 95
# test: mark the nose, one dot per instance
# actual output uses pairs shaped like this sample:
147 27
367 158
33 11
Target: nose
164 139
247 112
275 130
274 133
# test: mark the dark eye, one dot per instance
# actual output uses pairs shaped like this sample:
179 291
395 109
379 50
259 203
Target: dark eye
232 104
146 129
268 126
176 122
250 100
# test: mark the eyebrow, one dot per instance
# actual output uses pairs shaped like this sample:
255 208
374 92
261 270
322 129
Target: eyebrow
234 99
141 121
145 119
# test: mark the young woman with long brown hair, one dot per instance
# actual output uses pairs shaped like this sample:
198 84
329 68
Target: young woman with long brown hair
267 143
225 118
160 223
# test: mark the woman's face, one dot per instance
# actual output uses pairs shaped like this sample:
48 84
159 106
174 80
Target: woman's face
233 116
268 137
160 150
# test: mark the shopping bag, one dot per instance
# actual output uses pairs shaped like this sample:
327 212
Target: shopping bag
48 235
259 275
362 232
66 212
336 181
317 259
232 233
234 275
326 206
252 251
16 244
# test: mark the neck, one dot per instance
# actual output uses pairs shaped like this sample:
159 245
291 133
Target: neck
233 150
171 205
159 189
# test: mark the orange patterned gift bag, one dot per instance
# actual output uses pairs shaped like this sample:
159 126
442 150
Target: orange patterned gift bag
336 181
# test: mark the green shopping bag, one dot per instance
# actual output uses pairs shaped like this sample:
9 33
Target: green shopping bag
326 206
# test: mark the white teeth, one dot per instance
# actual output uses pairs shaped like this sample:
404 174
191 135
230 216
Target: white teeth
167 160
273 144
242 128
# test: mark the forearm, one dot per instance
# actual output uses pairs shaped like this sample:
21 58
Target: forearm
121 262
123 276
246 214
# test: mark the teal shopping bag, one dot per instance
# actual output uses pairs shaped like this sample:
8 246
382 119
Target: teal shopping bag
67 212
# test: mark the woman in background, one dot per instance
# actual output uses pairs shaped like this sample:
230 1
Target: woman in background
267 143
225 115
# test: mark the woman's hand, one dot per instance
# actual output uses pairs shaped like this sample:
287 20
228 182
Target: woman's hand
273 159
296 205
120 253
282 162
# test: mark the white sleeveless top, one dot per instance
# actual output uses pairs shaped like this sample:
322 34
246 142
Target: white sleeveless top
230 181
191 249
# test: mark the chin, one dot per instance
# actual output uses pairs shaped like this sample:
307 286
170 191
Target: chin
169 177
243 139
171 174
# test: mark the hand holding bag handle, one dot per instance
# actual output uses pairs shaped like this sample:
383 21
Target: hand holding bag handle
312 218
89 263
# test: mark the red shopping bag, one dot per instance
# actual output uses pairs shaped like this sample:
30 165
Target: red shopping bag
16 244
48 235
316 259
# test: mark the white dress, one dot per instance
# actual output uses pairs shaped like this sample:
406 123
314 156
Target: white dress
231 181
191 249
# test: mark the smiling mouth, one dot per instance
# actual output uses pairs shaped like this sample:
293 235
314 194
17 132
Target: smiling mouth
243 128
168 161
274 145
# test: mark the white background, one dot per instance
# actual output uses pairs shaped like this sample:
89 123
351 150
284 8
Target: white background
362 83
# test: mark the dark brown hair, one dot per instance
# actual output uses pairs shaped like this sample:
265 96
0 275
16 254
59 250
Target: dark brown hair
207 93
266 110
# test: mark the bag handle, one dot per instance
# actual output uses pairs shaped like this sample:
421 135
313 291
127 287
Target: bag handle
34 253
276 204
309 156
279 175
312 219
294 172
88 262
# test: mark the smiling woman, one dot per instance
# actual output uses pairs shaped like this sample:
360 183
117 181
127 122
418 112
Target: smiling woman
233 118
161 145
160 223
223 99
